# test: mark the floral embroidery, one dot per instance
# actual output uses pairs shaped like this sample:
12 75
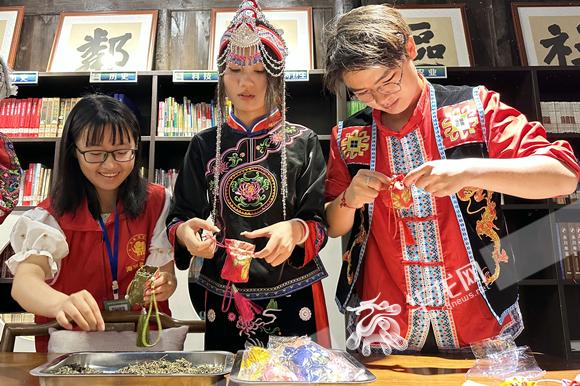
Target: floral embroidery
355 144
235 159
250 191
486 227
210 315
231 317
277 137
305 314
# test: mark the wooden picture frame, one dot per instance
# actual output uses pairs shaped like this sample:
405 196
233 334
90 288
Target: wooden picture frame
295 21
547 34
10 26
441 34
104 41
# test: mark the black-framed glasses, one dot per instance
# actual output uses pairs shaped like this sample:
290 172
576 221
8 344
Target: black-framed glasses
100 156
385 89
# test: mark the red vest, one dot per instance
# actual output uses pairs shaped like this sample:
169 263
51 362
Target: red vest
87 264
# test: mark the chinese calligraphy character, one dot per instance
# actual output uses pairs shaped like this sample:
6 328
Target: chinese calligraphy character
556 46
93 49
576 62
433 51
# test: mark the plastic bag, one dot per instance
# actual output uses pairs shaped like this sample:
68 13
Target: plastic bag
500 358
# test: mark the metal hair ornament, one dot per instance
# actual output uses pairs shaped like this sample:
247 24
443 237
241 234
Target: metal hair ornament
245 40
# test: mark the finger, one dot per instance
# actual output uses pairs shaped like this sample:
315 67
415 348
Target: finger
383 179
412 177
375 184
425 181
87 313
280 259
203 224
96 311
270 248
263 232
63 321
75 315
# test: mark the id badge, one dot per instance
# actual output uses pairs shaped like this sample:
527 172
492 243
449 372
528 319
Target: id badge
117 305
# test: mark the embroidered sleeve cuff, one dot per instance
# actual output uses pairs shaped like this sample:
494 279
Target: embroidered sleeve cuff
315 241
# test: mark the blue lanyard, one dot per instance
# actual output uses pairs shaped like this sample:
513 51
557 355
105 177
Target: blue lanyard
112 252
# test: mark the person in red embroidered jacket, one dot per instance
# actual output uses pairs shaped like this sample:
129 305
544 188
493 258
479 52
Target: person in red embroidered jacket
102 221
417 177
270 175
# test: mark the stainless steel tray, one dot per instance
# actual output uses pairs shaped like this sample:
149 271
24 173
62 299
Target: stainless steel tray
110 362
366 377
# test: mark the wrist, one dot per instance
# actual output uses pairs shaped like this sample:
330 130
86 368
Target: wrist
302 230
343 202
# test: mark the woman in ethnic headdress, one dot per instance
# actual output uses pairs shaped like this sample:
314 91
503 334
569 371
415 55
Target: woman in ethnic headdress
260 274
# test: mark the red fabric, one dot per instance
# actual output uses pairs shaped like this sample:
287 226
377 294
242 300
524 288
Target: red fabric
312 243
87 264
239 256
510 135
321 316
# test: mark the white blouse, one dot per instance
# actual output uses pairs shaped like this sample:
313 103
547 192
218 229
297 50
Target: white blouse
37 233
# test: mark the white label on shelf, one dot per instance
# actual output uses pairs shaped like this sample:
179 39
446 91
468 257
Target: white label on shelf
181 76
113 77
433 72
296 76
24 77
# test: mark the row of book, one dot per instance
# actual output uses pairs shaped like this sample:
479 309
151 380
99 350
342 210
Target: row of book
184 119
34 117
561 117
34 184
166 178
17 317
569 247
41 117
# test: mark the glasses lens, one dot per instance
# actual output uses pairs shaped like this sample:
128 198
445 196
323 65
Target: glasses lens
123 155
389 88
95 156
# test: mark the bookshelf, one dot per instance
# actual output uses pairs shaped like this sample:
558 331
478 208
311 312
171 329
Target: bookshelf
546 297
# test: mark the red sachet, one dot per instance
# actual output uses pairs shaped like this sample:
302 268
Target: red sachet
398 196
239 256
236 269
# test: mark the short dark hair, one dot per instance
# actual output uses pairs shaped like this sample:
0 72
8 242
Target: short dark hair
94 114
369 36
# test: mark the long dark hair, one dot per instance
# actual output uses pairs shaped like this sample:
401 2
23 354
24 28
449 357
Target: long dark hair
94 114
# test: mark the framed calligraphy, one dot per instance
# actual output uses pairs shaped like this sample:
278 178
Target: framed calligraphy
296 22
10 25
440 33
104 41
548 35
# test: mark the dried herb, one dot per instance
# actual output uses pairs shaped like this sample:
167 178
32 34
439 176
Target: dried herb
164 366
74 369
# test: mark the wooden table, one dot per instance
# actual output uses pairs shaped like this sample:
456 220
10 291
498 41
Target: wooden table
394 370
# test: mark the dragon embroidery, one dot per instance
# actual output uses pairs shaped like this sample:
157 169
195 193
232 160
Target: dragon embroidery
485 226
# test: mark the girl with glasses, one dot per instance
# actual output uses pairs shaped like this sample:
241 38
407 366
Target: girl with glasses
77 252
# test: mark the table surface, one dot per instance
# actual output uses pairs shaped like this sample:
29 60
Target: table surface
395 369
